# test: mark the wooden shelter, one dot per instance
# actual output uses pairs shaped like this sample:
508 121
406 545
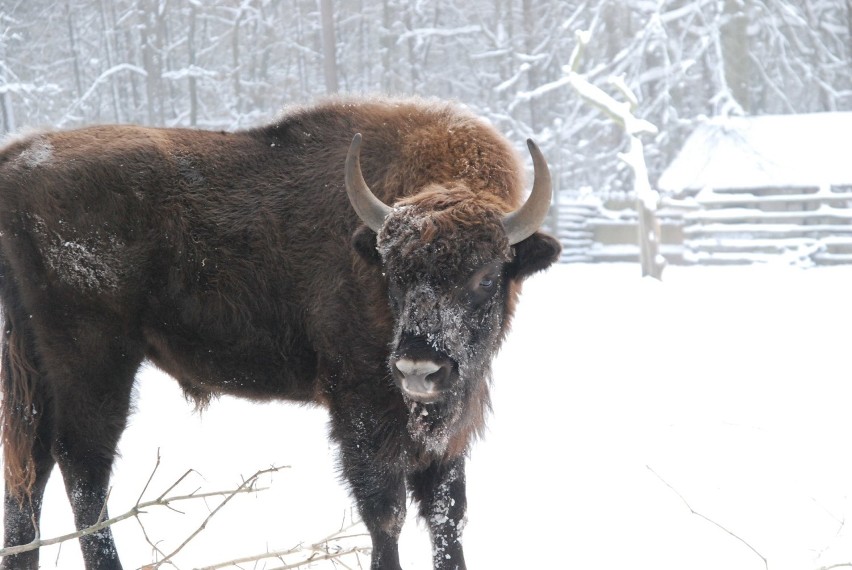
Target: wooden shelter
767 187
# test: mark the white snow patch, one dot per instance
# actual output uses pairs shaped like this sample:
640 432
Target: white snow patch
88 263
38 152
83 266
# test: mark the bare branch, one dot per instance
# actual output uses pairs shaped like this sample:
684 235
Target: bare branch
711 521
280 554
102 514
148 539
328 556
139 508
176 483
150 477
319 551
38 543
246 487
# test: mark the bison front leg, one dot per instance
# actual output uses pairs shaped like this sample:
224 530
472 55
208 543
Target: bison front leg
375 481
440 490
381 502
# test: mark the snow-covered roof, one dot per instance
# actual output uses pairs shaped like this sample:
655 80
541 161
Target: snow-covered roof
763 152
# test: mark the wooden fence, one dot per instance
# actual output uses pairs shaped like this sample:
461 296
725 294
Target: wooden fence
797 225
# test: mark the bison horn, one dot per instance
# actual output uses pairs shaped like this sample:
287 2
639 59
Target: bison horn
370 209
523 222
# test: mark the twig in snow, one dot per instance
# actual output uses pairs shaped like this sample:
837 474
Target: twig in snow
708 519
329 556
150 477
246 487
139 508
319 551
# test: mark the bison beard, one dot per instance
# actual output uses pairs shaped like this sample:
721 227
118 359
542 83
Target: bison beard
261 264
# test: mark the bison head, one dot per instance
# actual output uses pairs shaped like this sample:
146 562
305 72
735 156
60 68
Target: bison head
452 259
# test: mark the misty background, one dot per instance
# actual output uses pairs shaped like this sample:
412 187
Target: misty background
235 64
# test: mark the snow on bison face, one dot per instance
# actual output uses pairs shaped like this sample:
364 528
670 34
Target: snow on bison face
451 258
445 256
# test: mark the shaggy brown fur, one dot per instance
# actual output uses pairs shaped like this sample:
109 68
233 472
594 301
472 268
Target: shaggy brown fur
21 399
234 262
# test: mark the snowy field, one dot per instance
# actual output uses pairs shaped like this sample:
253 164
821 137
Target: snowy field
728 385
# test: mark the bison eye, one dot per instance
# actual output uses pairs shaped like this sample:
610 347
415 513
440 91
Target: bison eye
483 284
484 289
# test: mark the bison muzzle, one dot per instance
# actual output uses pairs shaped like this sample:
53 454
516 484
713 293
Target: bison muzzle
281 262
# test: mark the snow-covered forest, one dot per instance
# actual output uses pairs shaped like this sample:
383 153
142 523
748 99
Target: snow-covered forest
235 63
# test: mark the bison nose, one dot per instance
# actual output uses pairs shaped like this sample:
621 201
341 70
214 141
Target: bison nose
422 380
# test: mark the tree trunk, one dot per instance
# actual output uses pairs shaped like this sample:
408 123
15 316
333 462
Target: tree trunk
300 54
107 35
78 82
150 58
235 63
412 56
647 200
193 80
529 48
735 51
388 47
329 47
7 113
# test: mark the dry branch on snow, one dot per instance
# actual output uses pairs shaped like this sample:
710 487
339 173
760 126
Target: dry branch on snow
328 548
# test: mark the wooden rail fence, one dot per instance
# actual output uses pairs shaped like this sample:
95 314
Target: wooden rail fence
796 225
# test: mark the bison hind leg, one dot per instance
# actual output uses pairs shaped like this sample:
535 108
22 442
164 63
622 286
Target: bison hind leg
27 433
72 391
93 395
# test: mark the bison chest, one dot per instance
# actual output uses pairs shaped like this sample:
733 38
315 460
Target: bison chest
266 322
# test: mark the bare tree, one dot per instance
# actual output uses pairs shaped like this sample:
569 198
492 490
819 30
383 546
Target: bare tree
329 47
232 64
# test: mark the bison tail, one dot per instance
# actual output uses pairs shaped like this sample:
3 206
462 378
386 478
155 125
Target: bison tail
22 407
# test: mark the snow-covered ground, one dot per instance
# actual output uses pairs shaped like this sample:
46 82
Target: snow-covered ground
729 386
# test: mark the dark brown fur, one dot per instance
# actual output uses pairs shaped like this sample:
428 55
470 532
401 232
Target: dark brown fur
234 262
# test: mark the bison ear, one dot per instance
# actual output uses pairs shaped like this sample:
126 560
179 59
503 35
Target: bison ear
364 242
535 253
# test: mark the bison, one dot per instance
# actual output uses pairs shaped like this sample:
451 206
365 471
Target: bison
279 262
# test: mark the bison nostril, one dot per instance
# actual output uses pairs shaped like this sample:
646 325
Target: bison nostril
421 380
440 375
416 368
